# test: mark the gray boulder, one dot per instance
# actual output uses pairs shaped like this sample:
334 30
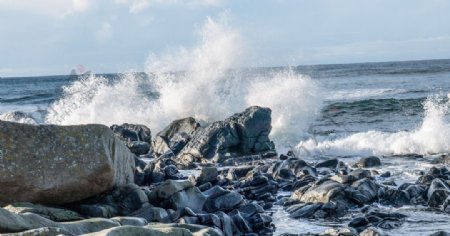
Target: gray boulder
368 162
60 164
51 213
241 134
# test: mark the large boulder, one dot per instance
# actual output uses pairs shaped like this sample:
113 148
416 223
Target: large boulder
241 134
60 164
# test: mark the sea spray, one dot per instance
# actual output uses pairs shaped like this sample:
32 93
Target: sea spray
431 137
201 82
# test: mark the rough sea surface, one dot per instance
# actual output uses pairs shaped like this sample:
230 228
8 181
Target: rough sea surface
391 110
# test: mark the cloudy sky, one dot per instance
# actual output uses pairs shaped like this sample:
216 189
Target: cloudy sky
45 37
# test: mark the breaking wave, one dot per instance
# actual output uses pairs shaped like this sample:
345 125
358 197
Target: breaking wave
431 137
201 82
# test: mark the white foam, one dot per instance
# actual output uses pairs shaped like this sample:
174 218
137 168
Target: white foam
206 89
433 136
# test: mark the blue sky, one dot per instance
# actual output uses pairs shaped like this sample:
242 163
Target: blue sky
44 37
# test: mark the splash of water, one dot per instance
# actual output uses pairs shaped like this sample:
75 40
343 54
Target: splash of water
205 87
432 137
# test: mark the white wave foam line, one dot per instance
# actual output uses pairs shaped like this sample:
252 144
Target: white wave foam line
433 136
206 89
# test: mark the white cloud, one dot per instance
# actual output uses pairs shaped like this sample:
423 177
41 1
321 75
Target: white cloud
104 33
139 5
50 8
80 5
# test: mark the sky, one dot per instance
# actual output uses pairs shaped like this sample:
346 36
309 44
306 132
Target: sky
49 37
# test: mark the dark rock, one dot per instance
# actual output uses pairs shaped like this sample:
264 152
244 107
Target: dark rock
332 164
153 214
219 199
386 174
208 174
395 197
136 137
139 147
439 233
242 134
437 193
175 136
368 162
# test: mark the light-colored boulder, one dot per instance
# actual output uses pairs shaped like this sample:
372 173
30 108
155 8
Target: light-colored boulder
60 164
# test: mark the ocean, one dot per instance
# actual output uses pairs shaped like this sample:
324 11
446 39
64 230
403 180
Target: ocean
390 109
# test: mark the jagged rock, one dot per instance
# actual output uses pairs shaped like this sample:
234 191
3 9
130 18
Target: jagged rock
437 193
39 163
241 134
368 162
137 137
258 186
175 136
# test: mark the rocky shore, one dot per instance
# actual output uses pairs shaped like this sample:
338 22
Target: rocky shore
122 180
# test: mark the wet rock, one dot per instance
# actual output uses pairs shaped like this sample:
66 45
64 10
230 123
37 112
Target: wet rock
331 164
395 197
175 136
440 233
131 221
97 210
368 162
437 193
444 159
40 162
241 134
258 186
219 199
139 147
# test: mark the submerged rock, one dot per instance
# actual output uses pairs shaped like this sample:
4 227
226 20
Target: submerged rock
60 164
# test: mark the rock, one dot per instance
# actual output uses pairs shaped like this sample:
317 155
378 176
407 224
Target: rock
322 192
11 223
208 174
177 195
137 137
368 162
219 199
395 197
371 232
39 164
444 159
97 210
440 233
135 231
437 193
131 221
51 213
332 164
139 147
153 214
44 231
175 136
241 134
368 188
